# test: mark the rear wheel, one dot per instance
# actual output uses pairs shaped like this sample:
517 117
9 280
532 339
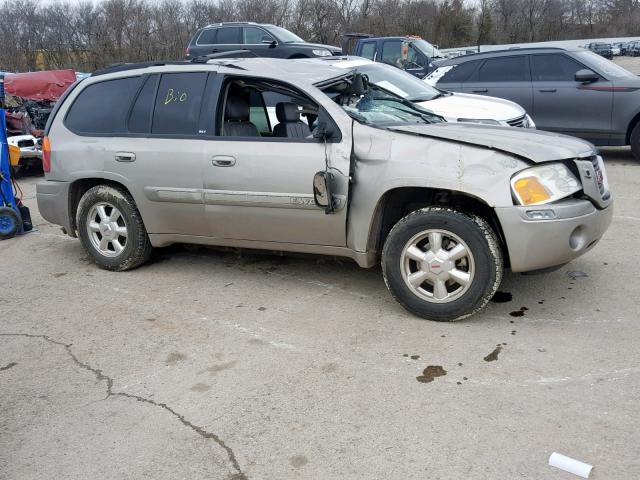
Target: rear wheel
110 228
442 264
635 141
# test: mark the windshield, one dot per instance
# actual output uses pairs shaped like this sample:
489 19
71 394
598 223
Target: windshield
377 107
399 82
285 36
428 49
606 67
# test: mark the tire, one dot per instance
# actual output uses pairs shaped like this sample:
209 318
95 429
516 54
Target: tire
9 223
481 267
635 141
111 229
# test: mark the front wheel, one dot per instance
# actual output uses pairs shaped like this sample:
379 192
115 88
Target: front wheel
110 228
442 264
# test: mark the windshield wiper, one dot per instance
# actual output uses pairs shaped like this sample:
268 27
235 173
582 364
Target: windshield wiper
425 99
426 115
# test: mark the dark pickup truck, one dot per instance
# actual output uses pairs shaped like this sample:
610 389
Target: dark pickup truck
412 54
264 40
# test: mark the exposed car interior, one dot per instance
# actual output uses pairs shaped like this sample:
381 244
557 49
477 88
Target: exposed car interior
255 108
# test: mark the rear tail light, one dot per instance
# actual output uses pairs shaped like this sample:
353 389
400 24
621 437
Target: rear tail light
46 155
187 52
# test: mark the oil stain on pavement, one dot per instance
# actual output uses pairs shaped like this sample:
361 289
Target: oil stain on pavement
431 372
493 356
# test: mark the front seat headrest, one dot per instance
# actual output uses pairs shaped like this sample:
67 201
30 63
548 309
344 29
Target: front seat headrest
287 112
237 108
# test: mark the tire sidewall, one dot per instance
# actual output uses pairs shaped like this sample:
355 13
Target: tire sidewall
118 199
13 216
635 141
488 264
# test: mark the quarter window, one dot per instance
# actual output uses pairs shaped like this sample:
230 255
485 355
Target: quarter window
504 69
102 107
207 37
553 68
177 104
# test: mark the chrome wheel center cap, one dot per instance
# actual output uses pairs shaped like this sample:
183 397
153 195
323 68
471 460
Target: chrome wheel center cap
436 266
107 230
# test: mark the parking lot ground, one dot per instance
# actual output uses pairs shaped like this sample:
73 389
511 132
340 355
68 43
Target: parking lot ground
630 63
229 365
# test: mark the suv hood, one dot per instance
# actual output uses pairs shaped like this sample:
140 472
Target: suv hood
463 105
532 145
333 49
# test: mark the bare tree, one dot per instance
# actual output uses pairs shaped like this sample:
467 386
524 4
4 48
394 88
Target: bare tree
89 34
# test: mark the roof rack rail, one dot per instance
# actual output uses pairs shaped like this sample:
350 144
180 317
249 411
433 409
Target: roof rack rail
229 23
511 49
121 67
229 54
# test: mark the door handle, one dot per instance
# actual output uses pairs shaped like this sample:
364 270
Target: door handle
548 90
482 90
223 161
125 157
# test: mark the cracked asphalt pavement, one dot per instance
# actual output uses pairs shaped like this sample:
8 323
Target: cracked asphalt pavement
220 364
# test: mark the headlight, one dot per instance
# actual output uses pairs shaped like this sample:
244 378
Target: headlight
482 121
529 123
544 184
321 53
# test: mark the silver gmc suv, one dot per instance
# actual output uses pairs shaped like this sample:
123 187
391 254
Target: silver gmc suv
146 155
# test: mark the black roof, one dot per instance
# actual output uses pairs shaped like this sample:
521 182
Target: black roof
497 53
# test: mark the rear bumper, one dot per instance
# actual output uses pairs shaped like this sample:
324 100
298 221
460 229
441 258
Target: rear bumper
53 202
539 244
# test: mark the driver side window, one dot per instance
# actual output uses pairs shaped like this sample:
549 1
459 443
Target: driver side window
255 36
260 110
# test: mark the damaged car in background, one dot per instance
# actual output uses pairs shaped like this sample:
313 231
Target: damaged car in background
445 208
29 100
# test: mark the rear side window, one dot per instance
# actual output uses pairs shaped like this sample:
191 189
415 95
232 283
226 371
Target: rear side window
368 50
102 108
140 117
207 37
504 69
460 73
177 104
228 35
391 51
553 67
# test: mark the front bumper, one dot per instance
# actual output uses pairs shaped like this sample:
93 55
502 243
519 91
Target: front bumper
30 152
53 202
540 244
